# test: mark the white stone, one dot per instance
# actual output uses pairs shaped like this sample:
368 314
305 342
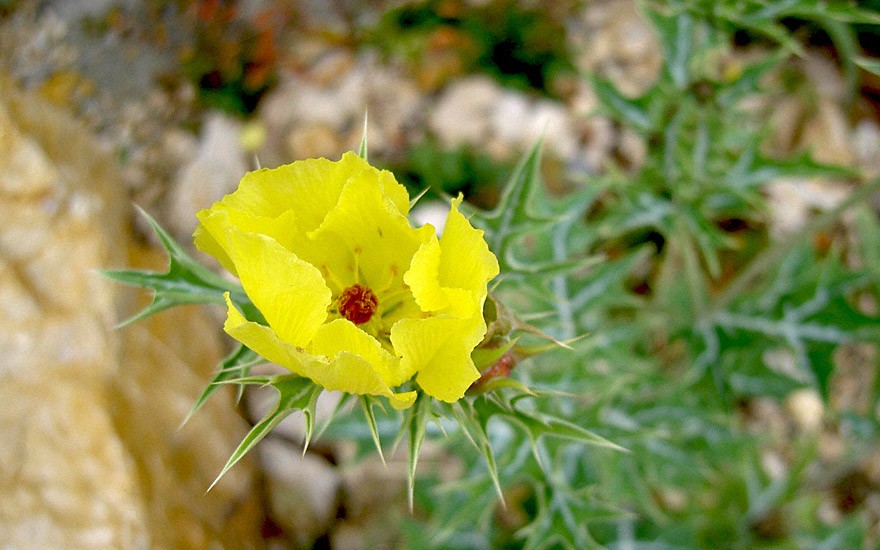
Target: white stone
521 122
213 172
791 201
303 489
806 409
430 212
462 113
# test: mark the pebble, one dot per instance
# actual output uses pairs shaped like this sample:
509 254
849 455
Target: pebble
303 490
214 171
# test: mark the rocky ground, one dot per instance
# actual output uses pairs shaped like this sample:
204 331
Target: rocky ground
90 125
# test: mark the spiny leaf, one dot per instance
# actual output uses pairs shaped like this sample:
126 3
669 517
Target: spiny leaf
539 424
676 33
474 428
416 422
748 80
631 112
294 393
753 169
185 282
512 215
362 149
235 365
367 403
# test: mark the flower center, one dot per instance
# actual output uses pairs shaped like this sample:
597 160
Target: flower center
357 303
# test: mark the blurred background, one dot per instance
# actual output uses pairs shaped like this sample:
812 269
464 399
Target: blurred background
719 159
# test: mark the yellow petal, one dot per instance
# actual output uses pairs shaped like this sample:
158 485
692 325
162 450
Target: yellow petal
466 261
365 239
266 200
310 187
450 275
290 293
211 236
439 349
341 335
346 372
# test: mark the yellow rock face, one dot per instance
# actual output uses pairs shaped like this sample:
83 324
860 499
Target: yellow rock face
91 454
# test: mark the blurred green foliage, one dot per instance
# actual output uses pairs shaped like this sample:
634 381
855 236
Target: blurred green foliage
230 56
428 165
520 44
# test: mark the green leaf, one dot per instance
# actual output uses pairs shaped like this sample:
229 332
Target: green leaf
538 424
475 428
869 64
362 149
416 422
749 80
753 169
631 112
294 393
367 404
676 34
185 282
235 365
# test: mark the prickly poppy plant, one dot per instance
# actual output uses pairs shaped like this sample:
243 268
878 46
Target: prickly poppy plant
337 287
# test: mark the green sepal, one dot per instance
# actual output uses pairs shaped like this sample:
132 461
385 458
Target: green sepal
502 383
185 282
340 405
485 357
295 393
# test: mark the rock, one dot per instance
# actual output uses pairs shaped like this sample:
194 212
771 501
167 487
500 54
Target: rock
463 112
213 172
314 140
432 212
522 123
67 479
611 38
866 145
851 385
302 490
806 409
91 455
792 201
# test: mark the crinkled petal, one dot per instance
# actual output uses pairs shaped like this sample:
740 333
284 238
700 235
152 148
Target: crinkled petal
310 187
341 335
365 239
466 261
210 237
290 293
450 275
345 372
439 350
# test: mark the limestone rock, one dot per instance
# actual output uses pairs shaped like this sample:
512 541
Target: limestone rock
91 454
67 480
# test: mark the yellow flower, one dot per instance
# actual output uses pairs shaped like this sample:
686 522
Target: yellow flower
353 297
